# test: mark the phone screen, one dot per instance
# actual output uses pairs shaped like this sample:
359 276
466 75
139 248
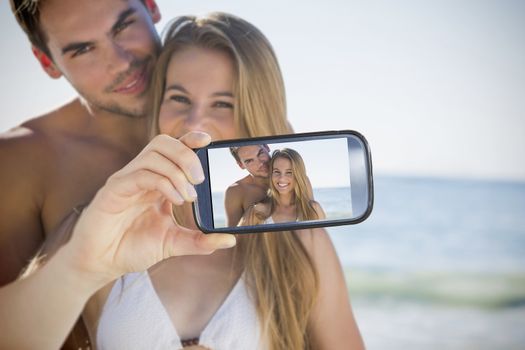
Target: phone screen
326 167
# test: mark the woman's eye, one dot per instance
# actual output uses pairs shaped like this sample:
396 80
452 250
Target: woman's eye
180 99
222 104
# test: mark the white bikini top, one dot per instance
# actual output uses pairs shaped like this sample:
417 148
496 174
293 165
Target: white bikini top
269 220
135 318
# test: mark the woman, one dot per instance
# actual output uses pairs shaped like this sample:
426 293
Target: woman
220 75
288 198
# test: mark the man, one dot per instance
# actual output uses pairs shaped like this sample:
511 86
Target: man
57 161
253 187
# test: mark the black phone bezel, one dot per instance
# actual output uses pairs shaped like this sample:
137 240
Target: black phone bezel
203 201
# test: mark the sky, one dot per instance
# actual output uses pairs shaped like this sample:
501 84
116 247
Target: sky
437 87
326 163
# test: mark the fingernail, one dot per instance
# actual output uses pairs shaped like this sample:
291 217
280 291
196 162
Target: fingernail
196 174
191 191
177 198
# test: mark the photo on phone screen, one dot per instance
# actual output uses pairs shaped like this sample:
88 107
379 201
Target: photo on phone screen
325 177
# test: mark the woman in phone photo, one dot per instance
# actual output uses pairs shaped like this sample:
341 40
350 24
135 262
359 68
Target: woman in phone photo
288 198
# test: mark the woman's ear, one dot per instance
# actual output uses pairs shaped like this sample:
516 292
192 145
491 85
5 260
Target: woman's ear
46 63
153 10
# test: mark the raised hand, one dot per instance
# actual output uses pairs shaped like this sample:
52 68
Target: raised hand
129 225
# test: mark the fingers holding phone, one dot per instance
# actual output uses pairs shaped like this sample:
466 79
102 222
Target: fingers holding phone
166 165
129 225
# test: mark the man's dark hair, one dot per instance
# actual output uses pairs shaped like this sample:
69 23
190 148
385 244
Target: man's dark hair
235 151
27 13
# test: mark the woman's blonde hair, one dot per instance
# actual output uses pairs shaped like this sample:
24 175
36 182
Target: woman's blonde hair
305 209
280 274
260 106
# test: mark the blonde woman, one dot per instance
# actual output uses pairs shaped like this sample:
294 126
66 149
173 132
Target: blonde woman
288 198
284 290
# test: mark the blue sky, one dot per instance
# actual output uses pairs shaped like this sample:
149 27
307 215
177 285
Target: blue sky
437 87
326 163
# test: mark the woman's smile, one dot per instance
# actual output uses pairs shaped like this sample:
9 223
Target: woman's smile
282 175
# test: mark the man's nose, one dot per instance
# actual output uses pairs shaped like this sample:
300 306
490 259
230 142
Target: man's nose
118 58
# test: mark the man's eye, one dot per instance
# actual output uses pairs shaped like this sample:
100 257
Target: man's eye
180 99
82 50
222 104
122 26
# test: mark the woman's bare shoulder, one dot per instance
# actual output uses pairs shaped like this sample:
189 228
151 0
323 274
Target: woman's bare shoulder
318 209
329 332
316 241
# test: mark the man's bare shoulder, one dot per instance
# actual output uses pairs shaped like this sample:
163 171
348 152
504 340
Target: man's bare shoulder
31 147
36 137
233 196
239 185
25 143
22 144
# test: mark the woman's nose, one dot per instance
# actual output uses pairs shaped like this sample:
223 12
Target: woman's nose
195 116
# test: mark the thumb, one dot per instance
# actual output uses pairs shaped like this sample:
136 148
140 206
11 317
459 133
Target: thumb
195 139
185 241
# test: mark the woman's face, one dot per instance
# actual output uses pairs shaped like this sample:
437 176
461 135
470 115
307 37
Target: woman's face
282 176
198 94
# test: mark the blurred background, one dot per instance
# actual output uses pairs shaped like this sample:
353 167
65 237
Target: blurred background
438 89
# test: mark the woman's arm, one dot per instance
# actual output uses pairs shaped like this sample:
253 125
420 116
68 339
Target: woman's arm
38 312
332 321
127 227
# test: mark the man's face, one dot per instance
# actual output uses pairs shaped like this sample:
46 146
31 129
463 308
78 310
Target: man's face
255 159
106 49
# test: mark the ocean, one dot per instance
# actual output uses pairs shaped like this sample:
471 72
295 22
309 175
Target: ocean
439 264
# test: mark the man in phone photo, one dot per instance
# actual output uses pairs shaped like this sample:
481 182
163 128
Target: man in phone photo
253 187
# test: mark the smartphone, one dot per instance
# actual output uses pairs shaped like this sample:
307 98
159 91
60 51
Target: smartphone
284 182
